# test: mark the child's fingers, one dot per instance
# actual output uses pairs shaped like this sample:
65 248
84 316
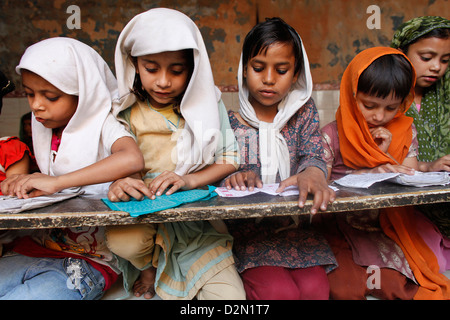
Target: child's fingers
259 182
118 195
328 195
123 189
318 202
20 187
174 188
158 186
238 181
251 180
9 185
286 183
302 195
227 184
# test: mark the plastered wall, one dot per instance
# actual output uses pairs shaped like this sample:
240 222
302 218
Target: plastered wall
333 32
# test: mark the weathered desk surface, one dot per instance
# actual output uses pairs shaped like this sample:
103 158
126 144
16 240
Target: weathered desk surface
82 211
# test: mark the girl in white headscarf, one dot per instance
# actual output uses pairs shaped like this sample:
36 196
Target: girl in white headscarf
170 103
78 143
277 129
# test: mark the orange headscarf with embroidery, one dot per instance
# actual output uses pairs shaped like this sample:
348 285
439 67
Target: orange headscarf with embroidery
358 148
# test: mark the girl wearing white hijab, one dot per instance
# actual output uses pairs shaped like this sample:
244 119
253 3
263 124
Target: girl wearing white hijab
78 143
277 128
81 145
170 103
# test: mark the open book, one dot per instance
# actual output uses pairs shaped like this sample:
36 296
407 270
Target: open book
419 179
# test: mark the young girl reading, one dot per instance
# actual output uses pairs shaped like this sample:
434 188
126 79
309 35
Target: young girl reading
170 103
78 142
372 134
426 42
277 128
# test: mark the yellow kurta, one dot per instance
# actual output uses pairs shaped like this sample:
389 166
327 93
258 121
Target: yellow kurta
156 129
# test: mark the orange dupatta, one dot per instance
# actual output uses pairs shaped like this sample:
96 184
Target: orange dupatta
399 224
358 149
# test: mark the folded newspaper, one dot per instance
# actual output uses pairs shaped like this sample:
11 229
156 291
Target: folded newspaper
419 179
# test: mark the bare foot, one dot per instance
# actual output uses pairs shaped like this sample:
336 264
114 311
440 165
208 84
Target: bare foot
145 285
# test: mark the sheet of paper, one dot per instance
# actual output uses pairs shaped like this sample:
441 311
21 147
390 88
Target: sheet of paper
424 179
364 180
419 179
267 188
14 205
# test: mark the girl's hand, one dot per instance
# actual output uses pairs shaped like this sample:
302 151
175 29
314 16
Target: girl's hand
31 185
382 137
385 168
166 179
311 180
8 185
124 189
242 180
441 164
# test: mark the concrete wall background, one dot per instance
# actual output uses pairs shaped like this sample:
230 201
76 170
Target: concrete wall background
333 32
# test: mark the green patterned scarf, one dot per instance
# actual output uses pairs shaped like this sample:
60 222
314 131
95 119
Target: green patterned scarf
433 121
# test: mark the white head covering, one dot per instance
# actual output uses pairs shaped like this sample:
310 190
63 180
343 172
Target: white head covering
159 30
76 69
274 153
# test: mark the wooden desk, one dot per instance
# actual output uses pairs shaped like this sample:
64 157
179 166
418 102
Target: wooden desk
83 211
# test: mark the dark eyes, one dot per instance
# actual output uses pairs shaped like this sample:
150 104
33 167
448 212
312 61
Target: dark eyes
176 70
260 69
388 108
52 99
426 59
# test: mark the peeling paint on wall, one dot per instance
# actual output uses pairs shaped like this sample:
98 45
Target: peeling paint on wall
332 31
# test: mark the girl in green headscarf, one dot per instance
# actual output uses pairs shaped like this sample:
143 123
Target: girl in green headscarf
426 42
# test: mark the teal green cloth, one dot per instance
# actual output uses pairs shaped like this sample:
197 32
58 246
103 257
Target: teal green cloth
139 207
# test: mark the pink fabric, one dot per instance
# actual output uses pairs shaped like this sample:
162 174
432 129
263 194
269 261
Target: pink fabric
279 283
55 142
439 244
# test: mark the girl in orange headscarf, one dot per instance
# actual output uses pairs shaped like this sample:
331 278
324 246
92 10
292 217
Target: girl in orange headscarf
371 131
372 134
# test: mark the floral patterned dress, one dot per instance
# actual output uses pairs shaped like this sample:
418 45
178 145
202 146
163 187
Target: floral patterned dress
271 242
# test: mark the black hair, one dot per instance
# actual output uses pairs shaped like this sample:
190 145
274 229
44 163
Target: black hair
264 34
388 74
440 33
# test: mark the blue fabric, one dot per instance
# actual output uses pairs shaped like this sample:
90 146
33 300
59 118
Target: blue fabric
139 207
27 278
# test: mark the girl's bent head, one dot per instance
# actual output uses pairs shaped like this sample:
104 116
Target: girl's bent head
426 42
162 78
388 75
382 88
50 106
420 28
267 33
